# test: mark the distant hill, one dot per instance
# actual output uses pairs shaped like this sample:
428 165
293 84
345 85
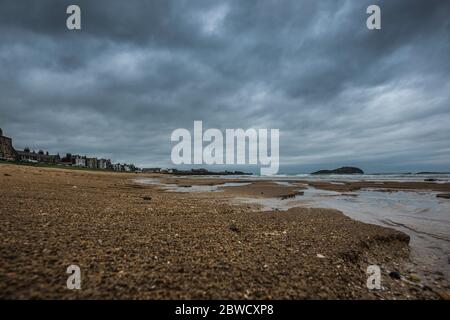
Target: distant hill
342 170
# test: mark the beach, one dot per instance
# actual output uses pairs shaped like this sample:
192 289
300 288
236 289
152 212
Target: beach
154 239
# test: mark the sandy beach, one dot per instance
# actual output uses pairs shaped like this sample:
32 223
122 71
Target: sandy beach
138 241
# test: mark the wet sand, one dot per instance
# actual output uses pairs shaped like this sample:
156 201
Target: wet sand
138 241
413 207
387 186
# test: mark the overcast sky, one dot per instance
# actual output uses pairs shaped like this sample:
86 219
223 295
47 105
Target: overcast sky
339 93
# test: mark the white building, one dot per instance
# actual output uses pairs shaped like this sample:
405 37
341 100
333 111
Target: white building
103 163
80 161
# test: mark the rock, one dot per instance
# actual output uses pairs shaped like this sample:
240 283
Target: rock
444 295
430 180
292 195
233 227
147 198
394 275
342 170
414 277
320 256
7 175
443 195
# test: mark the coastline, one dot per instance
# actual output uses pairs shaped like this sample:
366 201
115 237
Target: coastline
137 241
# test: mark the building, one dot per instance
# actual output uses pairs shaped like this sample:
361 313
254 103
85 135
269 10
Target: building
68 160
37 157
7 152
109 164
91 163
104 164
151 170
80 161
124 167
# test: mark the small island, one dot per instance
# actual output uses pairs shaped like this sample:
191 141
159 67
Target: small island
342 170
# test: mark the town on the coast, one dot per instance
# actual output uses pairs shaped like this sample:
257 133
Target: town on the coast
27 155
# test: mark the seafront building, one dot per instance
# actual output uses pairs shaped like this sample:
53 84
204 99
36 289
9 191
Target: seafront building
80 161
37 157
104 164
8 153
151 170
91 163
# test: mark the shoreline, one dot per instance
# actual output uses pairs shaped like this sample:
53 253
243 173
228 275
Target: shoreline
137 241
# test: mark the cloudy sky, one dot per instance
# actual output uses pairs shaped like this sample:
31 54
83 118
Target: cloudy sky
339 93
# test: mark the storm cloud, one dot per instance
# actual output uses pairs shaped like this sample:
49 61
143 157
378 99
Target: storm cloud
339 93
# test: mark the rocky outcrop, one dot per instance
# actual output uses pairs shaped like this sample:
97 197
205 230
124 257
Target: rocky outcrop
342 170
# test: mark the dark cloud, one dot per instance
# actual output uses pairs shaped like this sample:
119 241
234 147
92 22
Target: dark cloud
338 92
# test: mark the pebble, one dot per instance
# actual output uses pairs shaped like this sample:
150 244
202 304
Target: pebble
394 275
414 277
